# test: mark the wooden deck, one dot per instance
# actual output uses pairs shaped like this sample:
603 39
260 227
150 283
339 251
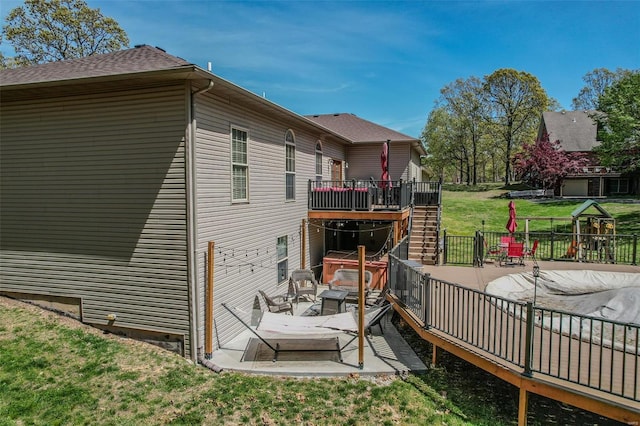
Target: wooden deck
565 368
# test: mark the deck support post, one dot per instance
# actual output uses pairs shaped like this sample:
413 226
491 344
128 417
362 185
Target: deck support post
303 244
434 354
361 269
523 406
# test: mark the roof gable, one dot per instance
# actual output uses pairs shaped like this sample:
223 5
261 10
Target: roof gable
575 130
357 129
589 203
139 59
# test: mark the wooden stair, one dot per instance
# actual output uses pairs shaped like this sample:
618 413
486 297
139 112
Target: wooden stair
423 238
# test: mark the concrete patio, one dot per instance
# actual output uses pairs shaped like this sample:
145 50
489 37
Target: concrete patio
385 353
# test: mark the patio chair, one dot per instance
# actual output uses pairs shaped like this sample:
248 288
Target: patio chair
380 299
493 253
347 279
302 283
515 252
378 316
532 251
274 306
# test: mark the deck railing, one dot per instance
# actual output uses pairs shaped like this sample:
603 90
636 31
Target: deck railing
371 195
589 248
591 352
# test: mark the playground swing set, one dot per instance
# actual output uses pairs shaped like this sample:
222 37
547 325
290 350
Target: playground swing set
592 233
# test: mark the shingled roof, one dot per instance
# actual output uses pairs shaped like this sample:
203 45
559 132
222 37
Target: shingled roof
138 63
357 129
575 130
137 60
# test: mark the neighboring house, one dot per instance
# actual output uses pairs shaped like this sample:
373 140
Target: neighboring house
117 172
577 132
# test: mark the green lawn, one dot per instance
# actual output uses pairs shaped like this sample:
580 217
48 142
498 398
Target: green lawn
463 212
57 371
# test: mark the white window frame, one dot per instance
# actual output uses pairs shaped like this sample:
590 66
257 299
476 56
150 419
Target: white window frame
239 165
318 161
290 166
282 259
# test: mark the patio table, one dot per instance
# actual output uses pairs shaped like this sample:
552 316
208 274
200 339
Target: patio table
333 302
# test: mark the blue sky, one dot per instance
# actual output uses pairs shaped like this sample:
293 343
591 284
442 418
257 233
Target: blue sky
383 61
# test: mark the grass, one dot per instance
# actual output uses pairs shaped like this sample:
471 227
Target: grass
57 371
464 212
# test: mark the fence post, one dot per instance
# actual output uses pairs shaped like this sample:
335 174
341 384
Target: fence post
528 344
353 194
412 197
444 246
478 254
391 278
426 290
551 251
635 250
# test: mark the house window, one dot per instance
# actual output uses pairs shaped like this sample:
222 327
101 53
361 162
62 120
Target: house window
240 166
282 251
290 174
618 186
318 161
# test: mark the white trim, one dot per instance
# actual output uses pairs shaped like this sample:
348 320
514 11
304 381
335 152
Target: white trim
287 172
233 127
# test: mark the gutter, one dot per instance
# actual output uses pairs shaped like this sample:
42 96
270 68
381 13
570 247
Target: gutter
192 231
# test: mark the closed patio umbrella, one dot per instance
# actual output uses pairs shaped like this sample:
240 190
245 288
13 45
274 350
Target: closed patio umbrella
511 223
384 163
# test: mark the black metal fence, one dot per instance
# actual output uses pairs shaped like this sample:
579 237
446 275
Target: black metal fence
592 352
590 248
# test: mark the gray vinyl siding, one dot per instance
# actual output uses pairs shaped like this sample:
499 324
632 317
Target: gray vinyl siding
364 161
332 152
415 168
316 248
245 234
93 205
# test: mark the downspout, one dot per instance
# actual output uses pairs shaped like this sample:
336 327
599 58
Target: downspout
192 231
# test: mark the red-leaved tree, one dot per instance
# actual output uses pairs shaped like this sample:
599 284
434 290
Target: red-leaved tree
544 164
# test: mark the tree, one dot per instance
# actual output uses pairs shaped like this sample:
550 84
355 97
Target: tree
436 139
53 30
544 164
619 124
516 101
464 100
596 82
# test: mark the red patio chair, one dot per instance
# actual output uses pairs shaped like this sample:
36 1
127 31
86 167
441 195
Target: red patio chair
516 251
532 251
492 253
505 241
